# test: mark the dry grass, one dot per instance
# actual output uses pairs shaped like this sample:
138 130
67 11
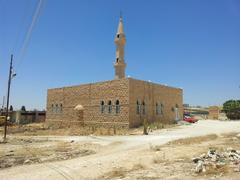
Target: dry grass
22 151
159 125
229 135
211 170
157 159
138 166
35 129
193 140
63 147
122 172
155 147
176 159
118 172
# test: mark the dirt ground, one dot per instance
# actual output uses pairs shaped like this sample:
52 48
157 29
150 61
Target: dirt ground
174 160
163 154
28 150
38 129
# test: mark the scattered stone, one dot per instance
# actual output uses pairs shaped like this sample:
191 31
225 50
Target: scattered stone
27 161
236 169
216 160
199 167
195 160
203 156
179 160
9 155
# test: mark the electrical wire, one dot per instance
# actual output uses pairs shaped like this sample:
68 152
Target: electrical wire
27 38
21 23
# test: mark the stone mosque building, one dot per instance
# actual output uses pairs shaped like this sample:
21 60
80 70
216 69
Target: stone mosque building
122 102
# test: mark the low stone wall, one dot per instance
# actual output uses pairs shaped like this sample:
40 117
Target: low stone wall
90 128
76 124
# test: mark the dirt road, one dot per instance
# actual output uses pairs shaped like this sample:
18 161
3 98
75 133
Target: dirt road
117 151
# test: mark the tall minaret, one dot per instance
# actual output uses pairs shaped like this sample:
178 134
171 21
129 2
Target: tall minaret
120 41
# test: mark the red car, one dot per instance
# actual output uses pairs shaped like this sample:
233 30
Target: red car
190 119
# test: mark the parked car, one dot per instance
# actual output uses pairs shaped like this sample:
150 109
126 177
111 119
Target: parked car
190 119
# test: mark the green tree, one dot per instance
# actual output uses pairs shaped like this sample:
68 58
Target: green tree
23 108
232 109
11 108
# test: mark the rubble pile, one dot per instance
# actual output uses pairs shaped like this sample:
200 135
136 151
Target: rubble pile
217 160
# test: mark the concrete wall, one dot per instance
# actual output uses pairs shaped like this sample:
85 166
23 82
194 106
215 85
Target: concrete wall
151 94
25 117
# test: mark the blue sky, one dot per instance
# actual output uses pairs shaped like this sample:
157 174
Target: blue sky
194 45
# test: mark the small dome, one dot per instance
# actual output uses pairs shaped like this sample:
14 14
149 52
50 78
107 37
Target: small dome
79 107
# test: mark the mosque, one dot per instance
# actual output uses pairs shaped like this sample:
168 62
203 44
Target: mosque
123 102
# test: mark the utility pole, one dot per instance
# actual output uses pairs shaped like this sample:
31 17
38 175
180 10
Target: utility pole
8 94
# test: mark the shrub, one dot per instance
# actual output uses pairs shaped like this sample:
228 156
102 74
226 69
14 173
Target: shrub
232 109
23 108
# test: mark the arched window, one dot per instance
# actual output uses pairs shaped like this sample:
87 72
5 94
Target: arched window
56 108
176 106
61 108
117 106
162 108
109 107
157 108
102 106
138 107
143 108
52 108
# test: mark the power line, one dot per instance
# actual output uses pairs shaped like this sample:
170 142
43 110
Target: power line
18 33
26 41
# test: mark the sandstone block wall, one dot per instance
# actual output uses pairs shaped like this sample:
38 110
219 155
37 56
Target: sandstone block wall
153 94
90 97
126 91
213 112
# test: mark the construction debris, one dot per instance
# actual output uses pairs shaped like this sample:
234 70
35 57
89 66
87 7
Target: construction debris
216 160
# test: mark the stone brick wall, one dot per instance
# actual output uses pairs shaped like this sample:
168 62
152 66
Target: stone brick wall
90 97
127 91
152 94
213 112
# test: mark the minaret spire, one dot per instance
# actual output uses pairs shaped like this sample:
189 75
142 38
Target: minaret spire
120 42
